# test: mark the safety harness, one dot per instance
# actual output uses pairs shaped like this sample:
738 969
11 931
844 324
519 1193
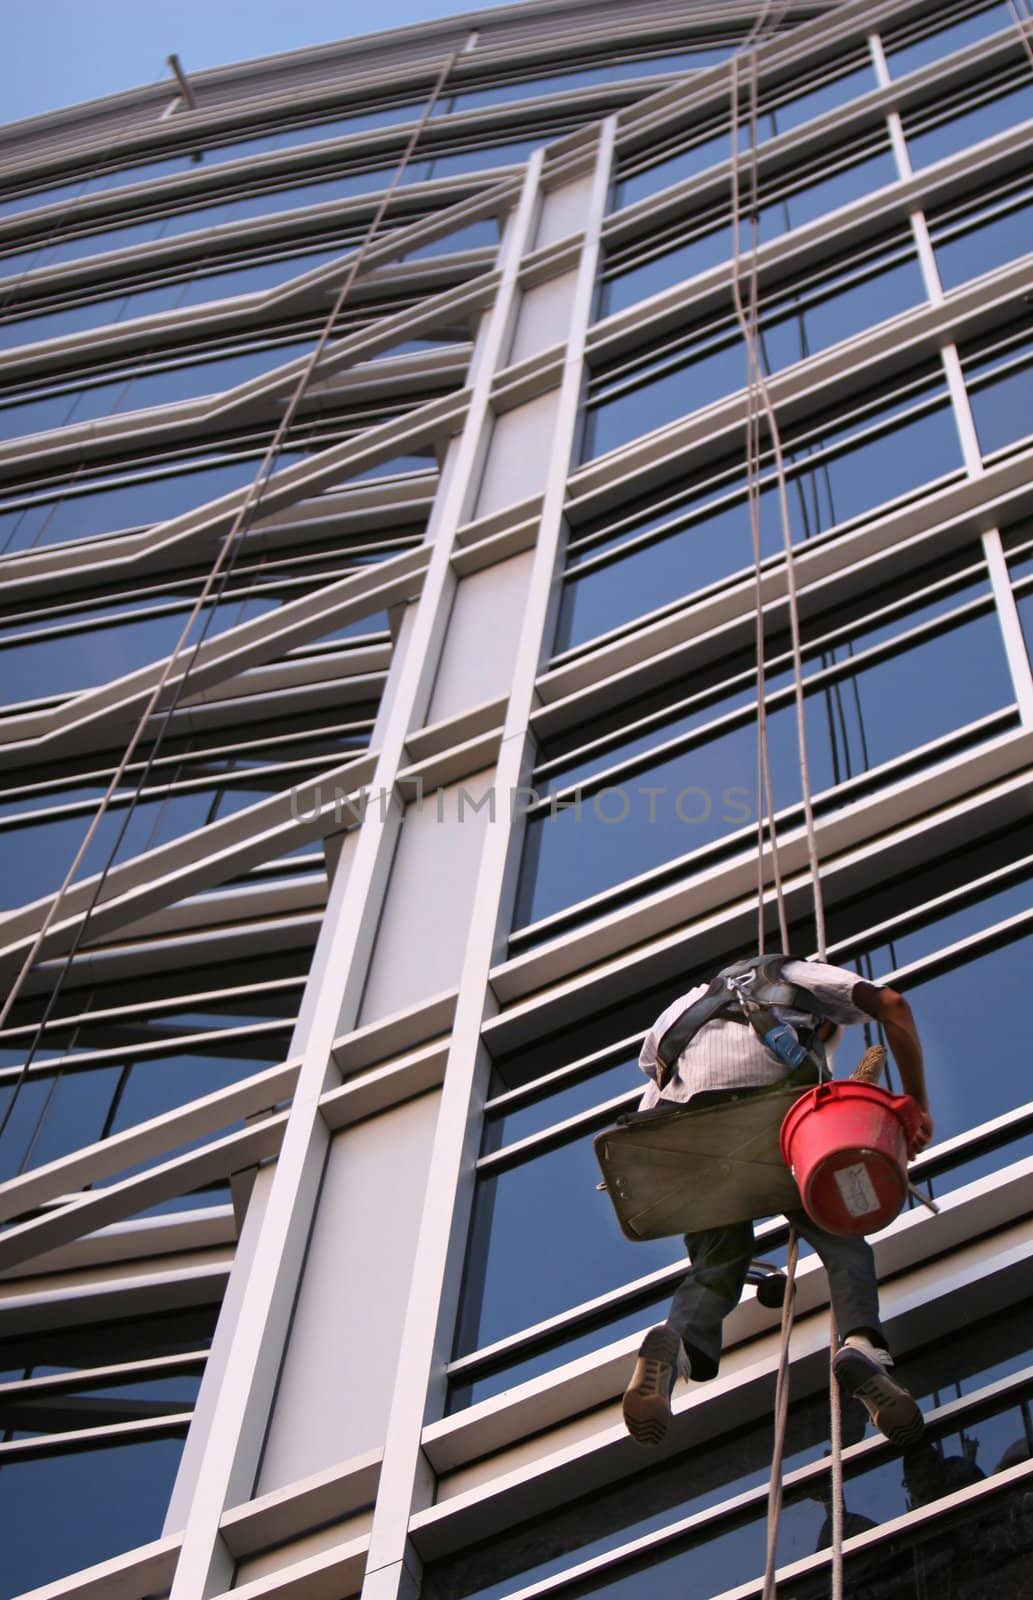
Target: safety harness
746 992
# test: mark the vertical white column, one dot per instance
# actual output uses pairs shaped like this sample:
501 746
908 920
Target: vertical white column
226 1472
406 1482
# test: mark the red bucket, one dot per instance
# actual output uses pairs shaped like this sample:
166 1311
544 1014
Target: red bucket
846 1146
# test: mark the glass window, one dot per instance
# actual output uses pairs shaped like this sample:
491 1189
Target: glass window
57 1113
43 197
197 217
567 1096
485 156
214 284
966 127
792 328
775 117
111 1497
979 1549
191 160
480 235
660 1494
983 240
72 1099
61 663
943 41
222 283
53 1115
238 991
583 77
214 155
160 1084
312 132
154 498
705 791
674 168
1021 570
632 284
133 391
97 1405
790 208
699 540
1000 389
81 185
671 388
94 1344
36 854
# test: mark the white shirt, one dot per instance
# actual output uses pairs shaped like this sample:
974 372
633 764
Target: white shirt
726 1055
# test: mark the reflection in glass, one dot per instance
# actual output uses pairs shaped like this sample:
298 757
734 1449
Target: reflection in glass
111 1498
852 476
991 238
967 127
904 58
796 203
792 329
773 120
730 1550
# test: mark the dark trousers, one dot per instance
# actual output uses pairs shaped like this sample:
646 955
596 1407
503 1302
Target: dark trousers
720 1259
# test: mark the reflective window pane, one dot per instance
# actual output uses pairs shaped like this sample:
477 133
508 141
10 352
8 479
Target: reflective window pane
708 249
583 77
658 1494
1001 396
904 57
708 790
103 240
133 392
967 127
111 1499
475 236
794 328
775 118
131 504
213 284
992 239
717 544
35 856
61 663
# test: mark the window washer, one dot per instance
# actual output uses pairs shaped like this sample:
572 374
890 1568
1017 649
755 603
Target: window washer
770 1020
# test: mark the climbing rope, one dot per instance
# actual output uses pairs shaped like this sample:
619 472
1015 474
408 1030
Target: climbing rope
781 1416
765 794
214 582
759 404
1023 19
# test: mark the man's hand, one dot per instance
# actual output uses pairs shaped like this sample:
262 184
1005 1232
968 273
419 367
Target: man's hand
921 1137
893 1011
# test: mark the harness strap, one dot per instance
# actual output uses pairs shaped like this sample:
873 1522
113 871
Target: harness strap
759 980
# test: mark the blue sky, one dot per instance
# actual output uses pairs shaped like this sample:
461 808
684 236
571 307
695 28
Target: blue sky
59 52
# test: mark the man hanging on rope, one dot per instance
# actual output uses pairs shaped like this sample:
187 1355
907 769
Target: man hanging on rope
705 1046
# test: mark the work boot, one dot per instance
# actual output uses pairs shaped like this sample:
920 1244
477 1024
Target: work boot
860 1373
647 1399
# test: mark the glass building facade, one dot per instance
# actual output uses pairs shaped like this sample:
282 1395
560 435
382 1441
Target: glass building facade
376 563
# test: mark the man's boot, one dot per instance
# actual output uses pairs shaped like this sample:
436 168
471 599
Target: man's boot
860 1371
647 1399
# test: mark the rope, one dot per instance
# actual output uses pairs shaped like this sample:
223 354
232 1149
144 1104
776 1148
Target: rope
765 793
836 1468
781 1416
1022 19
230 543
758 399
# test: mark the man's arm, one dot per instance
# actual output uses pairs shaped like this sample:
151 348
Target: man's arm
893 1011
